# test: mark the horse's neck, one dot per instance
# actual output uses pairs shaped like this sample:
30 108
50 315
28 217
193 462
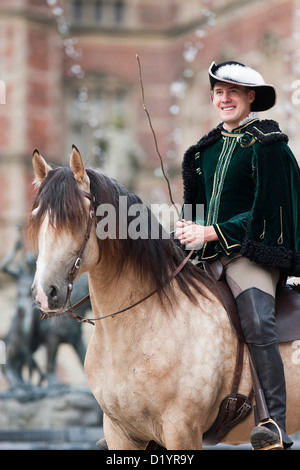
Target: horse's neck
112 291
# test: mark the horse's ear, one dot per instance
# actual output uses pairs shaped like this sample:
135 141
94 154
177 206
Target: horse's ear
40 167
77 165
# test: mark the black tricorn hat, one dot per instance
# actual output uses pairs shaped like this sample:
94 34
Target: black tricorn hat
240 74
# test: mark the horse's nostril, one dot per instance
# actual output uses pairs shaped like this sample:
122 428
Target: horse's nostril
53 293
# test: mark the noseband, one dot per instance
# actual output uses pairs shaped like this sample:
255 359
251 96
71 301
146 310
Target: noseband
74 271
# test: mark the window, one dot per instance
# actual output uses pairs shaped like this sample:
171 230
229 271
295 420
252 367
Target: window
98 11
77 11
119 12
100 103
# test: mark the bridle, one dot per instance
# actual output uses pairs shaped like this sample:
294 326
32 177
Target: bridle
92 217
74 270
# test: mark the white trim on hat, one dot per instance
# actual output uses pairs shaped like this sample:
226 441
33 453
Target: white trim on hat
240 74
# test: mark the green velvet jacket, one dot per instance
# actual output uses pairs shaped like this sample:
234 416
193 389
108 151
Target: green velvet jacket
248 182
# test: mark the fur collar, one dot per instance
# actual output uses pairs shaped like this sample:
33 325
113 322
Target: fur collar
265 132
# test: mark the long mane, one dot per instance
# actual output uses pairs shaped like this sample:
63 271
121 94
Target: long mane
152 258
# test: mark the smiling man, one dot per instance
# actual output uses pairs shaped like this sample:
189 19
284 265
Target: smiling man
232 103
247 179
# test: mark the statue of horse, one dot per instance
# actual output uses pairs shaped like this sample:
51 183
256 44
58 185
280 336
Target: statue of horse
26 333
160 369
24 338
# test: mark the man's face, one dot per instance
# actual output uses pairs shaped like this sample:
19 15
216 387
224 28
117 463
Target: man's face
232 103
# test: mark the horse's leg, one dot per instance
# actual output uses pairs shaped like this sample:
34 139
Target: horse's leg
181 436
176 437
116 440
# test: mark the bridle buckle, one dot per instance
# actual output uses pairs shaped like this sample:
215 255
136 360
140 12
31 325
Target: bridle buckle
77 263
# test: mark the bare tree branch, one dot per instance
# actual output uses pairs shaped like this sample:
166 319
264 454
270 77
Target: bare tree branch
154 136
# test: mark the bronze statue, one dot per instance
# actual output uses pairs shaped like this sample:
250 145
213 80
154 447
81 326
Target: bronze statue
27 333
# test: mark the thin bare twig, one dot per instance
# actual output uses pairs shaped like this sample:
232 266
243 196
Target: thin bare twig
154 136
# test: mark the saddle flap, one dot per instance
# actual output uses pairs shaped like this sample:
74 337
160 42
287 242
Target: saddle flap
227 420
288 313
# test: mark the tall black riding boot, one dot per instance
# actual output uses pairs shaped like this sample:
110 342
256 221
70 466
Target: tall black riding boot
257 314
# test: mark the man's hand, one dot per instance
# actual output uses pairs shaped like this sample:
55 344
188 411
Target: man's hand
194 235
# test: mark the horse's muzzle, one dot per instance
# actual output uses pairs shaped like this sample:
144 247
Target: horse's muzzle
49 298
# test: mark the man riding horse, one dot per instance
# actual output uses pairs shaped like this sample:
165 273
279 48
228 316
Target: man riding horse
247 178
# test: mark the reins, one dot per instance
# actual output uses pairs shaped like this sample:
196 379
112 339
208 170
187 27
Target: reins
73 272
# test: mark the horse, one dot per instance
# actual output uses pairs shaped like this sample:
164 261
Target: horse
159 369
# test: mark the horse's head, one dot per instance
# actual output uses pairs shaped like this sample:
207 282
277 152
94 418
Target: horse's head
58 227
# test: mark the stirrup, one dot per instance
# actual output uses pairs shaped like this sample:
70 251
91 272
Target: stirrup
275 446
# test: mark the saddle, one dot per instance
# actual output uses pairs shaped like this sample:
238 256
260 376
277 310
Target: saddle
236 407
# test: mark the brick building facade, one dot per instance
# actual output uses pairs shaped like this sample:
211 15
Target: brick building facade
72 76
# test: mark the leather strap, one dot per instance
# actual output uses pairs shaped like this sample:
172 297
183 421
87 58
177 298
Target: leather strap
73 315
73 271
261 406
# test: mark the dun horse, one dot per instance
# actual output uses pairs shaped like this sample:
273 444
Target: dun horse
160 369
